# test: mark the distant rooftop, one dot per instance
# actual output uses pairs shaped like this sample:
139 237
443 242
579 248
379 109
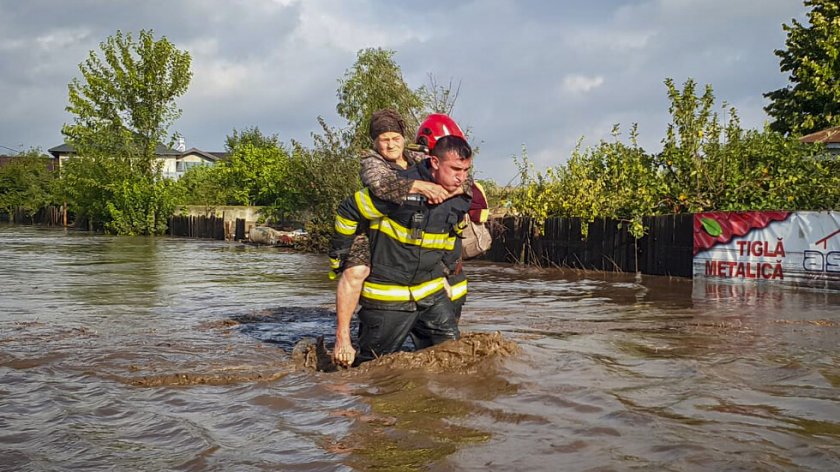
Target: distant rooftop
213 156
160 150
826 136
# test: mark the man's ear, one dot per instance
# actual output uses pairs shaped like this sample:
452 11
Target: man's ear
435 162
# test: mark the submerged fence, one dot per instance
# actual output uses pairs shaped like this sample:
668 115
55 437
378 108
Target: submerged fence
208 227
666 249
50 216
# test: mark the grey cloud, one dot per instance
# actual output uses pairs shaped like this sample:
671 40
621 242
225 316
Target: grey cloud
282 61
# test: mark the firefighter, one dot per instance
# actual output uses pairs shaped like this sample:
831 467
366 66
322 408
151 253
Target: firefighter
411 245
434 127
380 173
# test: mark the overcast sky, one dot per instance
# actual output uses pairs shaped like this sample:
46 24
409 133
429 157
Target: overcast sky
542 74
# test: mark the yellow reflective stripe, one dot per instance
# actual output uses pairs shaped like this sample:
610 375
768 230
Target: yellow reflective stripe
458 290
366 206
335 263
388 293
401 293
345 226
485 212
438 241
425 289
402 234
462 225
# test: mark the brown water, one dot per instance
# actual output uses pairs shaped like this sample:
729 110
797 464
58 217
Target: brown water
172 354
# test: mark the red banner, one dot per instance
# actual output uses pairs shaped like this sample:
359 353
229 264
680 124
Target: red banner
795 248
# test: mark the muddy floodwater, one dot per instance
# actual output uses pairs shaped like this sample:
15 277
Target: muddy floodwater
175 354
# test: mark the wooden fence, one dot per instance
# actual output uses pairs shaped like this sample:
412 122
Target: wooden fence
49 216
208 227
666 249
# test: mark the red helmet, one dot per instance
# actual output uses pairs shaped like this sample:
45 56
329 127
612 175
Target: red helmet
436 126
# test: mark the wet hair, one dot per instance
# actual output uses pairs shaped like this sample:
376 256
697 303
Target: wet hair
385 120
451 143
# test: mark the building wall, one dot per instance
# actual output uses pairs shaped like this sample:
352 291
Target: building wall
248 213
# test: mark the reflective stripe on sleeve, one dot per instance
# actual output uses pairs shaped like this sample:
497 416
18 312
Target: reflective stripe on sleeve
366 206
335 263
458 290
345 226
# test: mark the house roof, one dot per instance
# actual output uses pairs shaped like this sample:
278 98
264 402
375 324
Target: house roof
61 149
213 156
160 150
66 148
826 136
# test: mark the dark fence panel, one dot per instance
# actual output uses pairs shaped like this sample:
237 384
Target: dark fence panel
49 216
666 249
207 227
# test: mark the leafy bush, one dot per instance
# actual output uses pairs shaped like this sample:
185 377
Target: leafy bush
27 184
704 165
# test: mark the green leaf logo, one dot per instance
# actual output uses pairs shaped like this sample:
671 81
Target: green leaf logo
711 226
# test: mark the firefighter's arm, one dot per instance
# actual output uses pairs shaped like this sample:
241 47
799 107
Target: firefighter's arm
346 225
387 184
352 211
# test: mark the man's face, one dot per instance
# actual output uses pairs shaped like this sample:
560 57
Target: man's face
390 145
451 171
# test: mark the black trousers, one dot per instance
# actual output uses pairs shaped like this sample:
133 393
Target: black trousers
384 331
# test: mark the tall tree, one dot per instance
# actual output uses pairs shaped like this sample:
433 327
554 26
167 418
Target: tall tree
127 96
123 107
812 101
374 82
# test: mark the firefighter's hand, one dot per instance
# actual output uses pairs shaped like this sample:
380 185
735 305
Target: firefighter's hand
433 192
343 353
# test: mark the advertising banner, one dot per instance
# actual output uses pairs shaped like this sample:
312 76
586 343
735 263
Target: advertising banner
792 248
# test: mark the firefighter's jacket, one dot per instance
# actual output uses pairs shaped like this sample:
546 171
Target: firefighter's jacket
411 244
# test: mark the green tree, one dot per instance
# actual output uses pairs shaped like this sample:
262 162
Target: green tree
205 185
693 134
251 135
318 180
26 184
374 82
111 195
812 58
255 174
128 95
123 107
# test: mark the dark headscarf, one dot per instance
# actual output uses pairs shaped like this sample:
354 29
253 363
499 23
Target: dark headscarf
386 120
